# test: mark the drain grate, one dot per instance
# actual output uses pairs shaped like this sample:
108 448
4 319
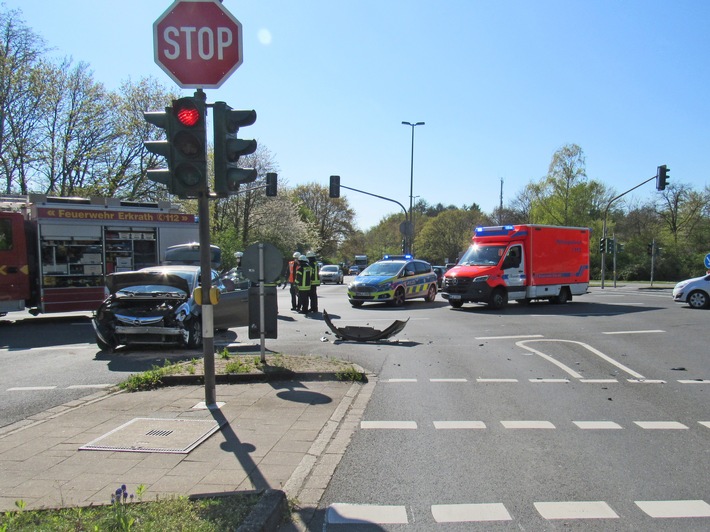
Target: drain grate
150 435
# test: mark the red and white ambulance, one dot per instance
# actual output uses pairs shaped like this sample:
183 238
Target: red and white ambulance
521 263
55 252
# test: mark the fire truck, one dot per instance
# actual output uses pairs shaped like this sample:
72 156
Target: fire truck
55 252
520 263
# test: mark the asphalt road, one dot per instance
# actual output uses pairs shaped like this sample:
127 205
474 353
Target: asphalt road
592 415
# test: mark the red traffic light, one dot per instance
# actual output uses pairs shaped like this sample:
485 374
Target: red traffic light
186 111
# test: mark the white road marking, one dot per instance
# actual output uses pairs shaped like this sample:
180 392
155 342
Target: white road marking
549 380
399 380
666 509
691 381
82 386
635 332
496 380
508 337
409 425
462 513
605 425
348 514
575 510
660 425
459 425
569 370
30 388
448 380
705 423
645 381
527 425
598 381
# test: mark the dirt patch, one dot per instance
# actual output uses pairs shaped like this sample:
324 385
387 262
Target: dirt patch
251 364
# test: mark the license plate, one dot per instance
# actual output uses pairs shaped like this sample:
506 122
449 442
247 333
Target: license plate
454 297
361 294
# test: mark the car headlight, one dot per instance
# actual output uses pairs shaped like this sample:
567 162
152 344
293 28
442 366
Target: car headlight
385 287
481 279
183 311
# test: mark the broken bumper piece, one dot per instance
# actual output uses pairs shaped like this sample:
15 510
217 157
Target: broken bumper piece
364 334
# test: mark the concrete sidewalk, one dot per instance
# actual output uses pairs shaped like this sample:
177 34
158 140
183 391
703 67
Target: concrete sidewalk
287 435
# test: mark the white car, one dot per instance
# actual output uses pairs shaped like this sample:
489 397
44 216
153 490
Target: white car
695 292
331 273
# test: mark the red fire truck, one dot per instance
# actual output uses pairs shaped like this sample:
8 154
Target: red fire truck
55 252
522 263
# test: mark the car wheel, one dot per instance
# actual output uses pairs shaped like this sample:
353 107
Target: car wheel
108 348
456 304
698 299
194 330
499 299
356 304
431 294
561 298
398 299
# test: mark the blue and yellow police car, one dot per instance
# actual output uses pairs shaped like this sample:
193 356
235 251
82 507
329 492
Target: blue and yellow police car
393 280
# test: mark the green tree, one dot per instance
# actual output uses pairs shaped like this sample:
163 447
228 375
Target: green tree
445 236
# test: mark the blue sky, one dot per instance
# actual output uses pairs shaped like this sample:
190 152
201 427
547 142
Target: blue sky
501 86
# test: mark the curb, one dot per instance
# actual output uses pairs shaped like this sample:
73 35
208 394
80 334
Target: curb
268 513
245 378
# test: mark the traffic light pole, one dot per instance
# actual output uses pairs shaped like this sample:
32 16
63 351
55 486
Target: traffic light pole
406 217
606 213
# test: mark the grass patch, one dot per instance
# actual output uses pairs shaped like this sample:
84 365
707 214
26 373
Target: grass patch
127 512
149 380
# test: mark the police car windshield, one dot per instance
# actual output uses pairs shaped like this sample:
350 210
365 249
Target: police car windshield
383 268
482 256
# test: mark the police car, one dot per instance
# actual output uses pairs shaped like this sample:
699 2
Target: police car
393 279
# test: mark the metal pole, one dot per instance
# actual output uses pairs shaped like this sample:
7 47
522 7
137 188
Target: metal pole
262 304
411 188
207 310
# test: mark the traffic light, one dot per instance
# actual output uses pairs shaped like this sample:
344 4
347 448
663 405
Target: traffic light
228 148
602 245
334 186
662 177
188 138
160 147
271 184
610 245
649 249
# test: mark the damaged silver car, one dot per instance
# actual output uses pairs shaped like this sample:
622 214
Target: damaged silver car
157 306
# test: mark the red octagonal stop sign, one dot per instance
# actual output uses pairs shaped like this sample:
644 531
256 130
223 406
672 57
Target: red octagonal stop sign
198 43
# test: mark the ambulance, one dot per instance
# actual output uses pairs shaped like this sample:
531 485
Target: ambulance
55 252
520 263
393 280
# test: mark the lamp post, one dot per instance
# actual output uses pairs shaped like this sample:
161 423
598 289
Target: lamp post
411 187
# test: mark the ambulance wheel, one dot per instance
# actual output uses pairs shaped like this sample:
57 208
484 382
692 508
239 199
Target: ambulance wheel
456 304
398 299
431 294
499 299
562 298
194 332
356 304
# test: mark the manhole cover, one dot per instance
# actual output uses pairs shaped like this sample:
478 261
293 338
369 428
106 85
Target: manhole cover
149 435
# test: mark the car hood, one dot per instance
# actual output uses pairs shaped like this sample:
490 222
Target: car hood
372 279
470 271
119 281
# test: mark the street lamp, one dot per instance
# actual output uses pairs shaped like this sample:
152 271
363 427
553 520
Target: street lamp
411 187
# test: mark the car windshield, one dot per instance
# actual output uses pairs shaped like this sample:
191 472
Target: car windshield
329 269
383 268
478 255
150 289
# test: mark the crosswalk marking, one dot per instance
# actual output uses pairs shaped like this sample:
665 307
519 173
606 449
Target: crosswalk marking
349 514
575 510
462 513
668 509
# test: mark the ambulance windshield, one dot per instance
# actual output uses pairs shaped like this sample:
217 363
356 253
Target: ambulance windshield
478 255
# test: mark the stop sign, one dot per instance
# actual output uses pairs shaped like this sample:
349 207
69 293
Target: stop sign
198 43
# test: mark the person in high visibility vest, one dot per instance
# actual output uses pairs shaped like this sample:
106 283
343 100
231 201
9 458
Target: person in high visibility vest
315 281
292 269
303 283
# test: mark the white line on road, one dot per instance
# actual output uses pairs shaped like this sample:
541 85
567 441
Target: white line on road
606 425
444 425
635 332
409 425
527 425
666 509
575 510
661 425
549 380
462 513
448 380
30 388
82 386
350 514
399 380
508 337
496 380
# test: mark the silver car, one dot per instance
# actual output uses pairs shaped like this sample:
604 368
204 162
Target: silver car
695 292
157 306
331 273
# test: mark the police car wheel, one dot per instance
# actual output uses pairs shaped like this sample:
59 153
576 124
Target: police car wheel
398 299
431 294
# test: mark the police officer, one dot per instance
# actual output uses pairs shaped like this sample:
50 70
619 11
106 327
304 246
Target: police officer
292 269
303 283
315 281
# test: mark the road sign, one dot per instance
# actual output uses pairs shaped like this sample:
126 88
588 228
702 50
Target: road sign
707 261
198 43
